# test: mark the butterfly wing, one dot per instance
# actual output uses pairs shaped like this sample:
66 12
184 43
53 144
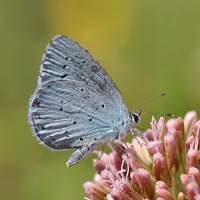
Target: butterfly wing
67 114
66 59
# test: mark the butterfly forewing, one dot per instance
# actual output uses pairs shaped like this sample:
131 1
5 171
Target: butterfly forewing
66 59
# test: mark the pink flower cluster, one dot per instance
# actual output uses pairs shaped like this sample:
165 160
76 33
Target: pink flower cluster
164 164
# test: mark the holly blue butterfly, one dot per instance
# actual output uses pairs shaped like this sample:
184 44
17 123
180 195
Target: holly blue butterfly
76 105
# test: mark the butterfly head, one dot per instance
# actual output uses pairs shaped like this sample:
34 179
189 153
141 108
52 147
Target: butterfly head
135 117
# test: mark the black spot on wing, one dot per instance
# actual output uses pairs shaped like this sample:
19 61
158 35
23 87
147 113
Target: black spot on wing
64 75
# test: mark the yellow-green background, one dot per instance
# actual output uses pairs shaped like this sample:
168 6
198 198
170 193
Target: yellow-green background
147 46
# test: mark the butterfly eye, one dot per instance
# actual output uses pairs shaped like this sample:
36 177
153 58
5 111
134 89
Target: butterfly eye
136 117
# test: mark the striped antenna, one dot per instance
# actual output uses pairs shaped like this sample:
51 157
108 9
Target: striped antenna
143 107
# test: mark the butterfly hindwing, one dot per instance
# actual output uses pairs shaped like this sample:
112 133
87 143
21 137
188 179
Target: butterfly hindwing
66 114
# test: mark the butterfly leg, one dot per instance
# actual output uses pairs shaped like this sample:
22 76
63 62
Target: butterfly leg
138 136
80 153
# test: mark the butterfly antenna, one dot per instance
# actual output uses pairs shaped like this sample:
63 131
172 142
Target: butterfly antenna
152 100
159 114
143 106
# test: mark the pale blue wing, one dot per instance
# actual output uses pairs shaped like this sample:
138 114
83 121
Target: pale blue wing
69 114
66 59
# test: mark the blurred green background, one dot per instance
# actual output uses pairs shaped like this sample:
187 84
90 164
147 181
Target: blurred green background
146 46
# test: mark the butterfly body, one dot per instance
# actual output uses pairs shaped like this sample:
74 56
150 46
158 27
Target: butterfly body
76 105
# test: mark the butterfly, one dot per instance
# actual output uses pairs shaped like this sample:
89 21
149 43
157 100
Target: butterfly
76 105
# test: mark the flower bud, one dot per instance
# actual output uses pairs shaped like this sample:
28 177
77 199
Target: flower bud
163 191
182 196
172 153
189 121
192 158
195 173
161 127
101 163
192 190
160 169
123 191
94 190
141 151
142 180
176 128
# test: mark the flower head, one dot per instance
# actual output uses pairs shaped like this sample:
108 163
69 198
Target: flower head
165 166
